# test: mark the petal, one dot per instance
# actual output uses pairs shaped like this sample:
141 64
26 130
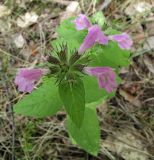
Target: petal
88 70
119 37
94 35
111 75
111 85
93 71
32 74
90 39
107 84
96 71
82 22
125 44
103 39
101 82
108 88
26 86
124 40
26 77
18 80
29 87
22 87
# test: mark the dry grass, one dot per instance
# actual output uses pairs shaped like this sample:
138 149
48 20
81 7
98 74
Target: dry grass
127 120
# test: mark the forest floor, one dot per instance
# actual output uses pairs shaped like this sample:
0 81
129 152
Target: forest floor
127 120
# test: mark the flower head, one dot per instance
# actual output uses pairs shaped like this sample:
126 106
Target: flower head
95 35
124 41
105 75
26 77
82 22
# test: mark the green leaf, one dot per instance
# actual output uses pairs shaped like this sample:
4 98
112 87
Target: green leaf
88 136
96 104
57 43
111 31
110 55
99 18
73 96
92 91
68 33
44 101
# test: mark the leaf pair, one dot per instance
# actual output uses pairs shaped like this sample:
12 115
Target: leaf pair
45 101
82 123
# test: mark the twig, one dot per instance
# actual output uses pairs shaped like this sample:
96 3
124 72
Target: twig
105 4
61 2
11 55
12 115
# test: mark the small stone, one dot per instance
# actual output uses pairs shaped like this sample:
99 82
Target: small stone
73 9
19 41
142 7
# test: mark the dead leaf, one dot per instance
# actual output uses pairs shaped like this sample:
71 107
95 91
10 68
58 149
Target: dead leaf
149 45
125 144
129 97
28 19
105 4
150 27
136 8
5 25
19 41
142 7
4 11
149 62
73 9
22 3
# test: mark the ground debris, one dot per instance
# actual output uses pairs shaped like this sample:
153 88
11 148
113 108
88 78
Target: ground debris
4 11
137 8
19 41
126 144
26 20
127 120
73 9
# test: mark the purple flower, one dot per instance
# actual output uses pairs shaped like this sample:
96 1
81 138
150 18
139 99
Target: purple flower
123 40
82 22
105 75
25 79
95 35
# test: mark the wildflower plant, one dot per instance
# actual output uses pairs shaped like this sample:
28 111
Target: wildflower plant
83 72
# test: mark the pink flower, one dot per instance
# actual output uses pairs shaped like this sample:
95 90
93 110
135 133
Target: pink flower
82 22
124 40
95 35
25 79
105 75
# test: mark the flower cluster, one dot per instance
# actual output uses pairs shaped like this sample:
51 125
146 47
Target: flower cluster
26 78
95 35
105 75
